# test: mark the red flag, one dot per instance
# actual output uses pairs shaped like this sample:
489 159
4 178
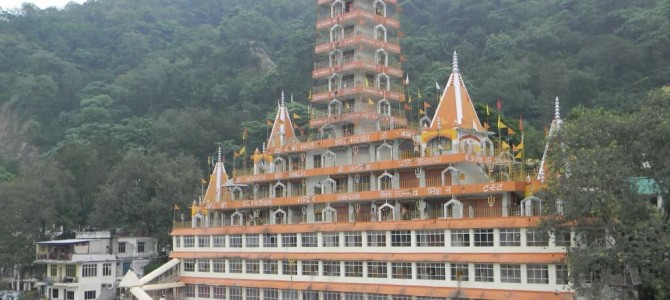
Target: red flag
406 107
520 123
499 104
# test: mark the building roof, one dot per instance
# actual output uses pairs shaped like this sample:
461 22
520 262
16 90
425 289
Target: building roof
218 177
64 242
455 108
645 186
282 128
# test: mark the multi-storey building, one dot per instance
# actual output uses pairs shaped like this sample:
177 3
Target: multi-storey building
91 265
364 204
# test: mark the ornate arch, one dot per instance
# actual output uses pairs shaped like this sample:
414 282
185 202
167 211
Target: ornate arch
328 186
381 148
531 205
279 164
379 8
454 173
329 214
279 216
327 131
380 212
281 186
384 107
336 33
337 8
381 57
328 158
334 82
380 33
381 179
334 108
236 216
383 82
335 58
453 209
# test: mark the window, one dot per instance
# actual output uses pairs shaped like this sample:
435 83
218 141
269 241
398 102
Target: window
89 270
219 292
203 241
401 270
430 271
401 238
271 294
331 239
377 297
177 242
69 295
483 237
353 239
253 294
219 265
289 240
317 162
535 237
563 238
290 267
235 265
537 274
270 240
253 241
377 269
189 241
430 238
376 238
510 273
270 267
189 290
484 272
331 268
89 295
53 270
510 237
54 293
219 241
189 265
309 239
122 247
459 272
204 291
203 265
235 293
310 267
253 266
107 269
353 268
140 247
354 296
331 296
235 241
310 295
460 238
562 274
71 271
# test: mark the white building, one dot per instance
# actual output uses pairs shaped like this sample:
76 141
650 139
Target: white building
91 265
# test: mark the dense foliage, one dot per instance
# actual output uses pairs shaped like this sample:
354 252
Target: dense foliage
103 103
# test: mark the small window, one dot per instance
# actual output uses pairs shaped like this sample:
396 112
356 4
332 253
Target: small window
377 269
253 241
430 271
203 241
401 270
563 238
483 237
331 239
460 238
253 266
189 265
536 238
510 237
270 267
219 241
219 265
562 274
140 247
376 238
89 295
219 292
235 241
289 240
54 293
331 268
538 274
309 239
459 272
290 267
430 238
330 296
270 240
353 268
189 290
235 266
204 291
203 265
122 247
89 270
189 242
107 269
53 270
235 293
310 267
271 294
353 239
510 273
71 271
484 272
401 238
252 294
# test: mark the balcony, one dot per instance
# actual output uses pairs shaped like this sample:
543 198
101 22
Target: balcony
324 92
354 113
327 21
54 256
350 40
324 69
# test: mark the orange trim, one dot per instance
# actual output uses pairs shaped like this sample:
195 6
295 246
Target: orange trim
417 192
517 258
500 222
352 116
356 14
344 141
355 65
420 291
356 40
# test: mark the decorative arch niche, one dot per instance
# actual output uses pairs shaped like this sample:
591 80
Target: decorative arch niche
384 151
453 209
380 33
379 7
336 33
334 108
386 212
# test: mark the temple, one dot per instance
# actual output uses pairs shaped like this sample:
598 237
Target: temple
365 204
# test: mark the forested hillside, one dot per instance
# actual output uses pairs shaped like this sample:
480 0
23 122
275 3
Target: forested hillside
122 101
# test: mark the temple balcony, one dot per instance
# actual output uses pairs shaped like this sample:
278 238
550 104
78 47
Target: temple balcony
325 93
352 40
355 113
325 68
357 13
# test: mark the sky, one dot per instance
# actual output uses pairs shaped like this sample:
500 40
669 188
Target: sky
9 4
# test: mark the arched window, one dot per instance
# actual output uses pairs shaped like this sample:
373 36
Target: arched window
384 151
336 33
383 82
278 217
328 159
327 131
279 190
335 57
385 181
380 33
334 82
380 8
334 108
384 107
453 209
450 176
237 219
337 8
279 164
386 212
381 57
439 145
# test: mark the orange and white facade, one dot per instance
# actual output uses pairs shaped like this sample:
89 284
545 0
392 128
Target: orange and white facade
366 205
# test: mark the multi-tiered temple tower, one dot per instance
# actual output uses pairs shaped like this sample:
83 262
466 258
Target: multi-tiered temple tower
364 204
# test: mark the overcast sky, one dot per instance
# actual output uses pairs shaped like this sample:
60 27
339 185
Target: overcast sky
8 4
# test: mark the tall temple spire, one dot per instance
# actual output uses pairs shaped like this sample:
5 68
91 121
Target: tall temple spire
557 111
282 128
455 108
553 130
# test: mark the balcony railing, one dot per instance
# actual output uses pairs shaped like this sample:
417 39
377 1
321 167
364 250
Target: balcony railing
66 279
395 87
54 256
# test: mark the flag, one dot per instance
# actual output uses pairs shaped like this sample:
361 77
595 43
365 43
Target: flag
498 104
487 109
202 180
505 145
295 126
309 96
406 106
510 131
243 150
486 126
346 105
236 154
437 85
426 105
268 123
370 102
520 123
421 111
518 147
501 125
518 155
295 116
419 94
410 99
176 207
407 79
367 82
